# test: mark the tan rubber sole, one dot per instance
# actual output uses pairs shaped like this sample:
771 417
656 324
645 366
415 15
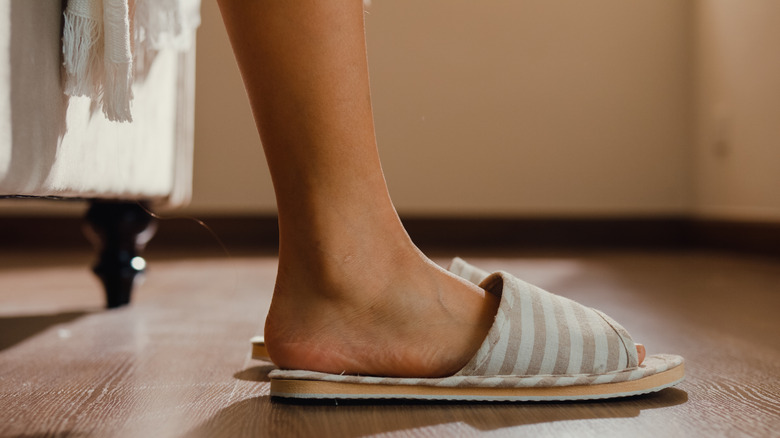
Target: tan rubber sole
313 389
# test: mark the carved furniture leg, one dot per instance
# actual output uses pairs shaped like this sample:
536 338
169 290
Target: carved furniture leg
120 231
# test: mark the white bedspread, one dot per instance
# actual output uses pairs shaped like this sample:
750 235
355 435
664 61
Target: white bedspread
101 38
52 144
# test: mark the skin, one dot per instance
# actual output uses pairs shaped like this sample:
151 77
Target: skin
353 294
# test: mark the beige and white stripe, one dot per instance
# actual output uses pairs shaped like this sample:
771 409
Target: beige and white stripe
540 333
459 267
575 337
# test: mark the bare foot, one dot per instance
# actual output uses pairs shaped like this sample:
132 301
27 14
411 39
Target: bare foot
406 317
640 349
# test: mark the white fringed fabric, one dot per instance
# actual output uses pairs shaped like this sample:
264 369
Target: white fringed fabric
103 40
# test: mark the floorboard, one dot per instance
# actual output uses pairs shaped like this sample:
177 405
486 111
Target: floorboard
176 362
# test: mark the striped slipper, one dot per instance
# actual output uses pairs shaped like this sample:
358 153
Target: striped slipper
540 347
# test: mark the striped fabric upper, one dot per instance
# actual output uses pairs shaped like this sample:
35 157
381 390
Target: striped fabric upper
459 267
539 333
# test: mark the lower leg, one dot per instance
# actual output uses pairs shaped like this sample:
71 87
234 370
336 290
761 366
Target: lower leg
353 293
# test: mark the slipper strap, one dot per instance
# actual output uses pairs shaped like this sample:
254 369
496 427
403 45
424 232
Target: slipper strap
539 333
462 269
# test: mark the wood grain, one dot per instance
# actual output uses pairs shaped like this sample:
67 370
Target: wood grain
176 362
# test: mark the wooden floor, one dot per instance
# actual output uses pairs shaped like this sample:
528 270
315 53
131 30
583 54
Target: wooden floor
176 362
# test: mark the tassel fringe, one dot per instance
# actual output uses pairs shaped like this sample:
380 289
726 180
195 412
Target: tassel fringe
118 91
118 61
81 55
97 46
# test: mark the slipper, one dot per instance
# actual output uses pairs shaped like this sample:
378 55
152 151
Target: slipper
541 347
462 269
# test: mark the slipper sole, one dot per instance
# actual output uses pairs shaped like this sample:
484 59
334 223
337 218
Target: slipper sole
322 390
259 351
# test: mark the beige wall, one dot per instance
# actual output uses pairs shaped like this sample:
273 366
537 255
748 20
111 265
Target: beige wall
532 107
538 107
519 108
738 109
230 174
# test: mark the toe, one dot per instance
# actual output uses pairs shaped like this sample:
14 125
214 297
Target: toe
640 349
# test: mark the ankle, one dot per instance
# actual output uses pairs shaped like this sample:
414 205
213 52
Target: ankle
345 272
350 246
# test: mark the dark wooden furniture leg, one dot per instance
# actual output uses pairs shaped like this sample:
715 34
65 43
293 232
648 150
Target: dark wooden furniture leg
120 231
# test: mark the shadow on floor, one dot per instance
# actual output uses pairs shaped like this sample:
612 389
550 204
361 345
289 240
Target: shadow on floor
15 329
255 374
260 416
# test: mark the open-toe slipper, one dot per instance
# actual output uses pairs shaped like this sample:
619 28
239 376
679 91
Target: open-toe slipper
541 347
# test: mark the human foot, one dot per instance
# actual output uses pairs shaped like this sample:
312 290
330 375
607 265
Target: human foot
406 317
260 352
